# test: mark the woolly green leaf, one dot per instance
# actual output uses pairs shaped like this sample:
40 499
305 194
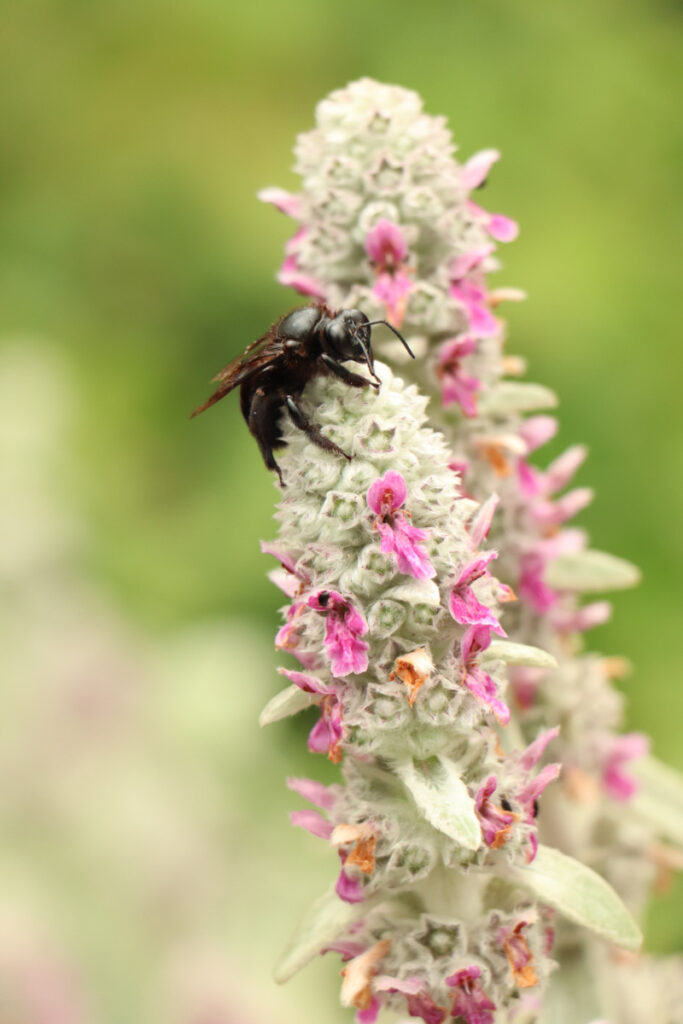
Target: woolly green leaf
659 798
510 396
580 894
323 922
287 702
518 654
443 798
591 570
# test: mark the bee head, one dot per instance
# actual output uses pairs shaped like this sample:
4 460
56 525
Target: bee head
348 335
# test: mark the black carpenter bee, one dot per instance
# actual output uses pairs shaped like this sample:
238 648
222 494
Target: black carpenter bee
272 372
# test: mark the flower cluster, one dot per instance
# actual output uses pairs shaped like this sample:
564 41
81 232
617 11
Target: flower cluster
392 616
386 223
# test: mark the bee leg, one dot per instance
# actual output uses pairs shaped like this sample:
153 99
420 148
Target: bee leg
301 420
262 420
354 379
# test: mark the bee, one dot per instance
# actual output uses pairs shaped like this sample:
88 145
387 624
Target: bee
273 371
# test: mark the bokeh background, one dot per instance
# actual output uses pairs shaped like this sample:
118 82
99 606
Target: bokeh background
147 867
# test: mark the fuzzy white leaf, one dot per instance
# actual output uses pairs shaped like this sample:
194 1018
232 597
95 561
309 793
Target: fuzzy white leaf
416 592
287 702
659 798
580 894
443 798
510 396
325 920
518 654
591 571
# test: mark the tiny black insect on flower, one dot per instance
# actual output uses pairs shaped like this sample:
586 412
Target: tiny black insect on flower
273 371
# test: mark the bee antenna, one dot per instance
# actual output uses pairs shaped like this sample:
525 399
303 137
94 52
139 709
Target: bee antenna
398 334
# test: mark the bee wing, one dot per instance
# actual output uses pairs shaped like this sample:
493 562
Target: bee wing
240 361
253 359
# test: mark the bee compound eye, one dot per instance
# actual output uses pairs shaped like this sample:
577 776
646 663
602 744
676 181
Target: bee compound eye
323 599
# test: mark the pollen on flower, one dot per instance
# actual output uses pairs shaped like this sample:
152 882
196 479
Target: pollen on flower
356 987
519 956
413 669
364 841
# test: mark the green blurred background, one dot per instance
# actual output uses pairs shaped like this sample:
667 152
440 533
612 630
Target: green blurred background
146 849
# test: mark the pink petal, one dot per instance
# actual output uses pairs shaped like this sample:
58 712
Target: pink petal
554 513
503 229
475 569
312 822
625 748
477 168
481 524
582 619
290 276
475 640
559 473
482 322
322 796
455 348
535 787
468 261
390 289
370 1015
385 244
305 681
349 889
282 554
484 690
387 493
534 751
285 581
326 734
537 430
402 540
468 611
285 202
422 1005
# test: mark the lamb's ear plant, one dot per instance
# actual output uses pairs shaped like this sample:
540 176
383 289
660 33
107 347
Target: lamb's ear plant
435 613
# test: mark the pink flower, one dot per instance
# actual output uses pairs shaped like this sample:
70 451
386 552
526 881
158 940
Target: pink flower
581 619
623 749
321 796
312 822
495 821
285 202
386 247
464 606
532 586
500 227
419 1003
536 431
534 752
481 524
468 287
478 682
470 1002
343 627
287 579
475 172
457 386
472 294
398 537
349 889
326 735
290 274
